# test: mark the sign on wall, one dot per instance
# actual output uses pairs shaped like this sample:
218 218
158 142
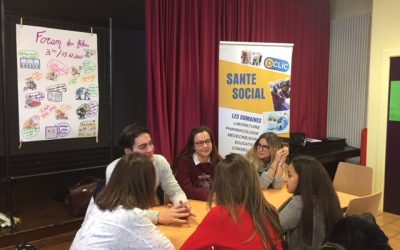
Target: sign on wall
254 93
58 93
394 105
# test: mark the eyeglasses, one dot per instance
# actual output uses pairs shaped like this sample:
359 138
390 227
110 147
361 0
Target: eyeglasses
262 147
201 143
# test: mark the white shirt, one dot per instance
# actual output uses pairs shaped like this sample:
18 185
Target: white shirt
164 177
119 229
197 161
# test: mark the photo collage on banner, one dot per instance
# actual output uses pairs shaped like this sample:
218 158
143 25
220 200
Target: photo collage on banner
58 93
254 93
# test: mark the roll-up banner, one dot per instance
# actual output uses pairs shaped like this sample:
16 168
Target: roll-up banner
254 93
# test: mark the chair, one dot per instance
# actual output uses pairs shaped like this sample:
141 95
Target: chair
365 204
353 179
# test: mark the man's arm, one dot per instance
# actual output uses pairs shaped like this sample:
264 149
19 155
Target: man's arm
175 214
167 180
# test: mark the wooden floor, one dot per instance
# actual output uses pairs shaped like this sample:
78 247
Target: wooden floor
43 227
389 223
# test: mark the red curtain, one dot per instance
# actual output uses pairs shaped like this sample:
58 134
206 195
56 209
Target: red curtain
182 60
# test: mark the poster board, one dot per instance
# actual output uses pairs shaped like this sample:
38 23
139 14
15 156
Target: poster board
254 93
394 104
58 94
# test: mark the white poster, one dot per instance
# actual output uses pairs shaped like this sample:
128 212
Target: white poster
58 93
254 93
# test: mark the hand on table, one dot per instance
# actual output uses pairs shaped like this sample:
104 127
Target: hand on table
186 204
175 214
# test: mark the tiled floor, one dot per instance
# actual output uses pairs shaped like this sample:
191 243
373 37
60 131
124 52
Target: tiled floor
390 224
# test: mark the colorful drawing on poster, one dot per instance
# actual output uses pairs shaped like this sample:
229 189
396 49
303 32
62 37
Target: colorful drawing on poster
60 115
83 111
31 127
94 90
30 84
29 63
87 128
76 71
63 129
51 132
82 93
33 100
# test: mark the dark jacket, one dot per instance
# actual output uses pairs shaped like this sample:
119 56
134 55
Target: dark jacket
359 233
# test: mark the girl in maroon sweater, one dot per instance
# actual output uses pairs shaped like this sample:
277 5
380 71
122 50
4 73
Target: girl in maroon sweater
194 167
240 217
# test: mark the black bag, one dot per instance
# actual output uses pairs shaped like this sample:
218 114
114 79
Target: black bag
22 245
78 197
357 232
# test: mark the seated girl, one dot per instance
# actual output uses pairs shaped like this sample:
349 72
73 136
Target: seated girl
268 157
118 220
240 217
194 167
314 209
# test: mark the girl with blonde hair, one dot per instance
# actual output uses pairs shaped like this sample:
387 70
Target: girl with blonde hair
268 157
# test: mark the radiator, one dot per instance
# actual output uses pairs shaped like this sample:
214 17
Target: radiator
348 78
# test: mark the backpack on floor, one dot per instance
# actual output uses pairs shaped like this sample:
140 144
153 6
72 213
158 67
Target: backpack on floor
357 233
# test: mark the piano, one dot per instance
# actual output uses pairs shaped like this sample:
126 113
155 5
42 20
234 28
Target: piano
329 151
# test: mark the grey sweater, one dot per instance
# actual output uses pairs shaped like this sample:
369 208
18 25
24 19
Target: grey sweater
266 180
290 218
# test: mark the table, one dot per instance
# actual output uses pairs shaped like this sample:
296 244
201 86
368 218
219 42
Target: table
179 233
278 196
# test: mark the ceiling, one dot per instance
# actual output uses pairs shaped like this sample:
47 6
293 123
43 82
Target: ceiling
124 13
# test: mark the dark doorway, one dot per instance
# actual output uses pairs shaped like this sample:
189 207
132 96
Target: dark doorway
391 201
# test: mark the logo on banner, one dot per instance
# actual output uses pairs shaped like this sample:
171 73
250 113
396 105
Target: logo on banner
276 64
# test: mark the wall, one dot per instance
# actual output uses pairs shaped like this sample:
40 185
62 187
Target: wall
347 8
385 40
348 75
129 79
349 70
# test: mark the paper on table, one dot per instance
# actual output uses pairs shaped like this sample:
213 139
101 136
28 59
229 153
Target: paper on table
311 140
